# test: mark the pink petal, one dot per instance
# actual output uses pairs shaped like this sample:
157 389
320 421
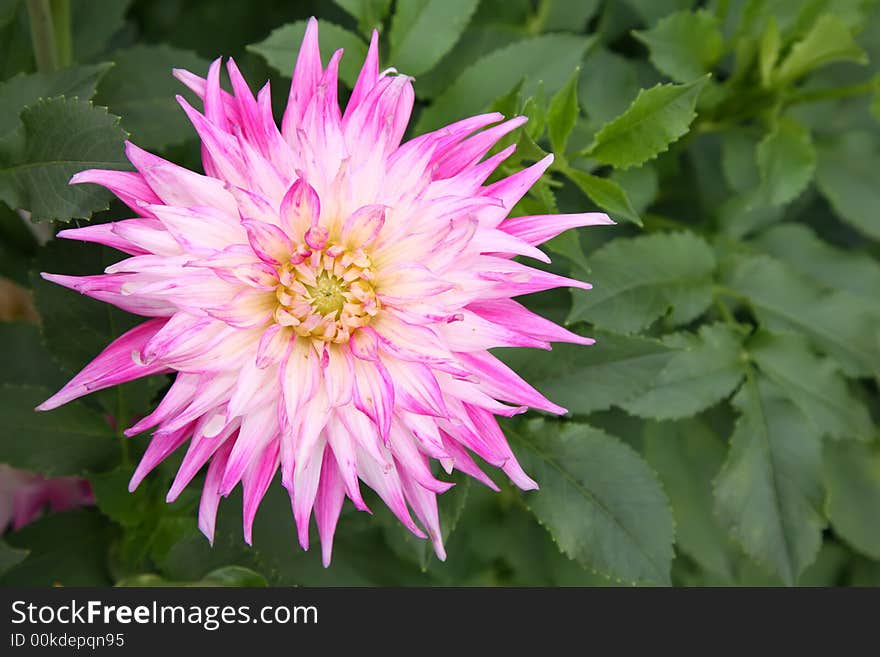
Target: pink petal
111 367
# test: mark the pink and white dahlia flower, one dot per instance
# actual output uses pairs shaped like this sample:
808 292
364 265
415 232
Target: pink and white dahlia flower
24 495
326 295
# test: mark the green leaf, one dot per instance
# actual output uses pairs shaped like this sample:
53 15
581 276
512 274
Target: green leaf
280 48
852 475
566 15
638 280
586 379
25 359
562 113
23 90
738 159
745 213
64 549
684 45
236 576
769 492
95 23
837 323
424 30
17 246
708 367
653 10
640 184
70 440
549 58
829 40
61 137
233 576
10 557
598 499
657 117
687 455
141 89
114 500
786 161
847 177
825 265
368 13
608 85
822 395
605 193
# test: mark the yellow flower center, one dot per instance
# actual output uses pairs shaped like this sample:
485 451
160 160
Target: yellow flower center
326 294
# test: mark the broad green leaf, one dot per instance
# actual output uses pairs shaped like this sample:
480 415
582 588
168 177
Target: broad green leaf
829 40
17 246
569 245
64 549
562 114
786 161
478 41
608 85
598 499
812 384
114 500
769 492
566 15
586 379
236 576
746 213
550 58
687 455
10 557
684 45
640 184
61 137
70 440
708 367
657 117
141 89
826 265
424 30
605 193
847 177
837 323
638 280
653 10
25 359
852 475
738 160
280 48
368 13
95 22
23 90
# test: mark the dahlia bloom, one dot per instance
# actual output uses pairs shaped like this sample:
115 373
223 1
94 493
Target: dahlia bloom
24 496
326 295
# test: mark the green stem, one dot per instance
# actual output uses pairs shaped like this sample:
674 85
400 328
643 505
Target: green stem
63 39
43 35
